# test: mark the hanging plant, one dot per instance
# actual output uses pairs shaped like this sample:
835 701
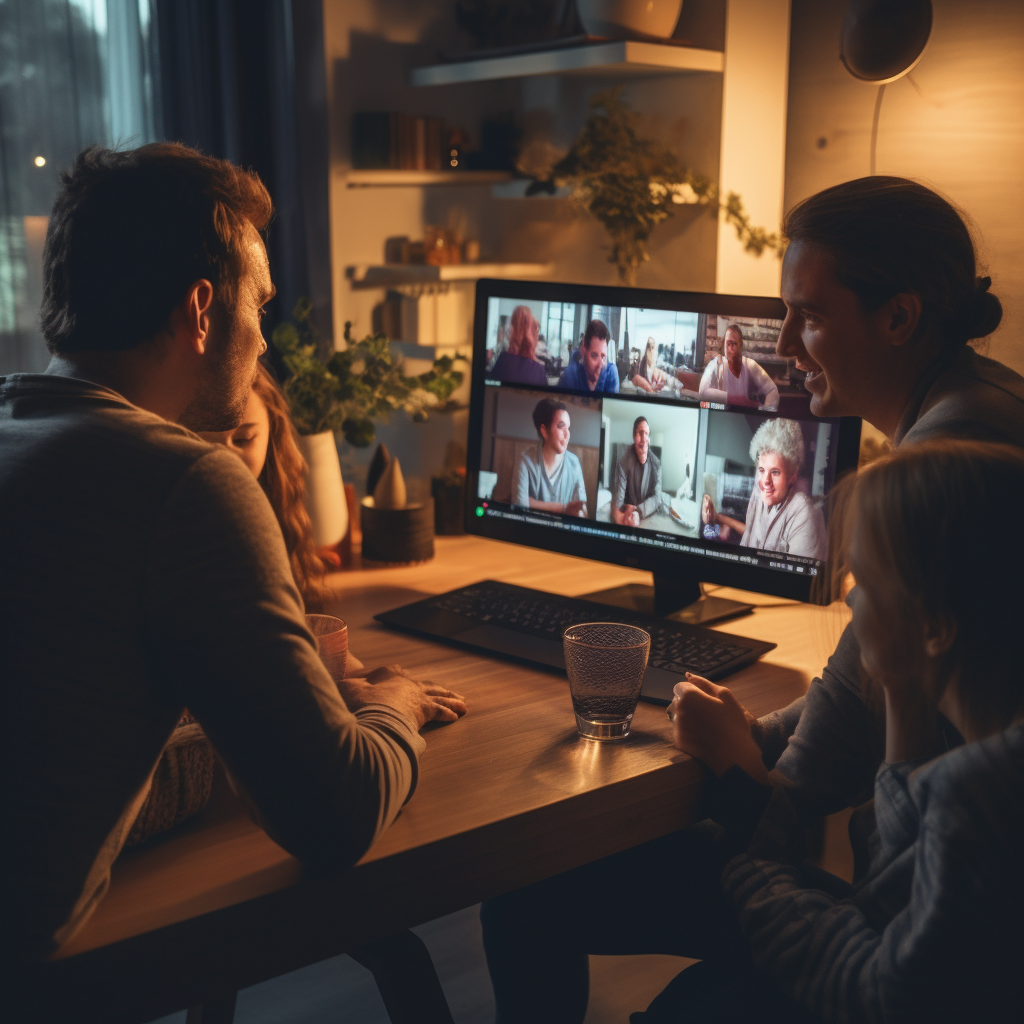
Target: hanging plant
631 184
351 389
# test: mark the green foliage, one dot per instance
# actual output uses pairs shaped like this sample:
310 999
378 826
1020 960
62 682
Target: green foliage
632 184
358 386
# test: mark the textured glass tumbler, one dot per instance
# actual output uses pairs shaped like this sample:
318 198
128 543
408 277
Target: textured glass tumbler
331 635
606 663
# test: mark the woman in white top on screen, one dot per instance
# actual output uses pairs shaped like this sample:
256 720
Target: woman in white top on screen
738 375
780 517
550 478
648 377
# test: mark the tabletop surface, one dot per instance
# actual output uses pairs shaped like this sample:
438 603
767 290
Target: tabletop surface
506 795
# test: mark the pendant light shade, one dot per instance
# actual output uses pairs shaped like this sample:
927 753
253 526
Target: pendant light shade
884 39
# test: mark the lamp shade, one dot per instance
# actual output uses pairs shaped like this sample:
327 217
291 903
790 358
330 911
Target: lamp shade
884 39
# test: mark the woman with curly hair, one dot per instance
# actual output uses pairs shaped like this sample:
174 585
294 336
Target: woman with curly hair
519 363
780 517
266 442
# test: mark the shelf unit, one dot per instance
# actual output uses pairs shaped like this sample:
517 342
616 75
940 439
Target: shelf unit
392 275
613 58
385 178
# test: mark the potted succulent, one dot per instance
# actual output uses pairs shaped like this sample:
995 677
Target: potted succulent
631 184
347 392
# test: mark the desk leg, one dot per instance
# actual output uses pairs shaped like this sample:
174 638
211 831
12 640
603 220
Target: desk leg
405 975
217 1010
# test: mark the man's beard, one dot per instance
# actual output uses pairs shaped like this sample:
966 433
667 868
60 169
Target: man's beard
221 397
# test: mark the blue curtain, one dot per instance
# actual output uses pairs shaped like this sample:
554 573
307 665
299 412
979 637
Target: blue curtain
228 87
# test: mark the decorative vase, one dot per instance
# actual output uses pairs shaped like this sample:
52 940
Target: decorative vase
397 536
626 19
325 492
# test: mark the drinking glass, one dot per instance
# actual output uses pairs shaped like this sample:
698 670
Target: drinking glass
331 635
606 663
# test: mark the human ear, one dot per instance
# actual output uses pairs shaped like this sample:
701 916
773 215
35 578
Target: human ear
939 635
902 315
197 303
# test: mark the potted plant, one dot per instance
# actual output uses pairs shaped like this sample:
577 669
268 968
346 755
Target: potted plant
347 392
631 184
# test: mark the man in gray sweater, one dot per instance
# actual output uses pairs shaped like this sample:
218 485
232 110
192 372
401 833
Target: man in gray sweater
144 569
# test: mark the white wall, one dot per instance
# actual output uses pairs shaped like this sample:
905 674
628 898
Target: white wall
956 123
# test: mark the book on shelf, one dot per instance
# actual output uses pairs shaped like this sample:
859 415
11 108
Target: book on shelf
400 142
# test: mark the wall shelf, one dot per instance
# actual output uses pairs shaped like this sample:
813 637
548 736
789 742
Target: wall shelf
403 179
619 57
390 275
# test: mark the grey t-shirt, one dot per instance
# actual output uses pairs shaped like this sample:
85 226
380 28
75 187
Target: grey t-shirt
532 480
148 574
794 525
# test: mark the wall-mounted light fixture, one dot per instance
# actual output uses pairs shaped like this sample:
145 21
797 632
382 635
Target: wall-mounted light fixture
882 40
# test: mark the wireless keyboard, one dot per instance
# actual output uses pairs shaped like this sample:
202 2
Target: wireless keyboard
527 625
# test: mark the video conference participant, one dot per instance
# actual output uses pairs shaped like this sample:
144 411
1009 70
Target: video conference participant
518 364
738 375
648 377
175 582
550 478
593 372
637 479
780 517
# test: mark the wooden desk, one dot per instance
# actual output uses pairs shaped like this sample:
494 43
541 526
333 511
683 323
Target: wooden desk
507 796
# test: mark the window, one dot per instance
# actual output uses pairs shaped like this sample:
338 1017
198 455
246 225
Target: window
72 73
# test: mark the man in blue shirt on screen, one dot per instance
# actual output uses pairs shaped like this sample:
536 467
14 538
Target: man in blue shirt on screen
593 372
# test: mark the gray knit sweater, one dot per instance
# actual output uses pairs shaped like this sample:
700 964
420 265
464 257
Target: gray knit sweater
935 930
143 572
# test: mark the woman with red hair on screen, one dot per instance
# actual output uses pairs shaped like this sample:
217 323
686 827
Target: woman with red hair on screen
519 363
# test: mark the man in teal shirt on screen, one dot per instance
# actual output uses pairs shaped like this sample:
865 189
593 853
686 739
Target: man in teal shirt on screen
593 372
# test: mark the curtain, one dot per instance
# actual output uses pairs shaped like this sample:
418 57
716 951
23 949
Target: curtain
228 87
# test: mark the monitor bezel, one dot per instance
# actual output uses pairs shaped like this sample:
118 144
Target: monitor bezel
611 550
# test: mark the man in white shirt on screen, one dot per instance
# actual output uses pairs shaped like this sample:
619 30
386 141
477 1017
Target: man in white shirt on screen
738 375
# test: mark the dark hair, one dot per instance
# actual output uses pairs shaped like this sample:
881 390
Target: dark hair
638 421
544 412
736 328
131 231
595 329
886 235
915 511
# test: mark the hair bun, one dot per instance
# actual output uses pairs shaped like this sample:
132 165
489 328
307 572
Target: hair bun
984 310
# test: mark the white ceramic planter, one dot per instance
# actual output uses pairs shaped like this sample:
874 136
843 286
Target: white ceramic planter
325 492
624 19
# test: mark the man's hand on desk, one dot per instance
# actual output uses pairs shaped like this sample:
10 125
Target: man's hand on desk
710 724
419 700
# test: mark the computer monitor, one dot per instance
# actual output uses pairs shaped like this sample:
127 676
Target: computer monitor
667 399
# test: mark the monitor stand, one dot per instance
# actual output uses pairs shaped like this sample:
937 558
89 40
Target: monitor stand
672 598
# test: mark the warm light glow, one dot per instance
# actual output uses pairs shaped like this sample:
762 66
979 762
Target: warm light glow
40 161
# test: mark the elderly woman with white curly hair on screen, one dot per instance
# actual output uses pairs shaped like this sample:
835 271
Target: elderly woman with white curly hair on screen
780 517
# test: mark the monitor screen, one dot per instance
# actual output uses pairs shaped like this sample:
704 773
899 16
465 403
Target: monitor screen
653 429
